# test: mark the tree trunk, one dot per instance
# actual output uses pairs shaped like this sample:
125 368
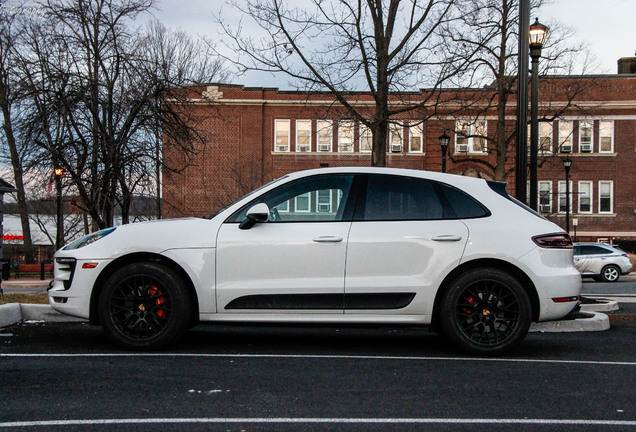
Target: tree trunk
19 180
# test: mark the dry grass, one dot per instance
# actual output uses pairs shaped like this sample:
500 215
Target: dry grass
41 298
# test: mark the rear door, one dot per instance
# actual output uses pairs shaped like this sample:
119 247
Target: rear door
404 240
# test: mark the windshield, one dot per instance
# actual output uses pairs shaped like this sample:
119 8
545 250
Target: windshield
249 194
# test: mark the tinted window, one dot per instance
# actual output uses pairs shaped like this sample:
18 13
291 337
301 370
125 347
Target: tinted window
594 250
314 199
463 206
407 198
401 198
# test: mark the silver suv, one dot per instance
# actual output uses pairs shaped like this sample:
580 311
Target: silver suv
601 261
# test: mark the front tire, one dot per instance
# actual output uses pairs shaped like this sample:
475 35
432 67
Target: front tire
144 306
610 273
485 311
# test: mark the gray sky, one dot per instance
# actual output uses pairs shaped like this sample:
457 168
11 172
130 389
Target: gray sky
607 25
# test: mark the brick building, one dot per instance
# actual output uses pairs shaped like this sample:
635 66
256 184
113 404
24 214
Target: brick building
254 135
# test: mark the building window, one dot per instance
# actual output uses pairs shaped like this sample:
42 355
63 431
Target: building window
585 197
416 139
545 138
325 130
470 137
396 137
563 197
545 196
302 203
606 136
585 136
366 139
565 136
345 136
303 135
323 198
605 197
281 137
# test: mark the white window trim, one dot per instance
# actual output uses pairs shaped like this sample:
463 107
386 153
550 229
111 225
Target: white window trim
318 129
471 139
549 151
611 183
611 137
561 192
350 125
579 195
361 129
297 144
569 137
308 195
417 130
400 126
276 122
549 182
591 122
330 202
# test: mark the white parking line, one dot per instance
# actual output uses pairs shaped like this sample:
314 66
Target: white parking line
334 357
359 421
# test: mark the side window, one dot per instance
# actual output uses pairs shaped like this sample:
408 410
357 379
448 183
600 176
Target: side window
594 250
401 198
315 199
404 198
464 206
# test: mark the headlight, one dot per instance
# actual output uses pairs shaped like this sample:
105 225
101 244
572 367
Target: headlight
91 238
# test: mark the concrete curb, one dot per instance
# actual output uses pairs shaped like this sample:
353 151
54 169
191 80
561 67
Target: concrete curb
10 314
597 322
605 306
16 312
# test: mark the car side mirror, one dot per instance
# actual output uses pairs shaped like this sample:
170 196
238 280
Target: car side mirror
258 213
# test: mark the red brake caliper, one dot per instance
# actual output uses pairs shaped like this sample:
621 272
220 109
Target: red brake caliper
153 291
472 301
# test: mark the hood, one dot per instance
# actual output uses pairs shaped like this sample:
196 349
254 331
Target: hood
153 236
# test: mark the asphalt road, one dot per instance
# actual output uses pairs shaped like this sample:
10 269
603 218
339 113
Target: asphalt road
68 377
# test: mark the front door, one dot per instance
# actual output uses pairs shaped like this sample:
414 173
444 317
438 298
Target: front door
293 262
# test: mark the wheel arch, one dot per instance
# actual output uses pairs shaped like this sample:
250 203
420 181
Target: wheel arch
136 258
515 271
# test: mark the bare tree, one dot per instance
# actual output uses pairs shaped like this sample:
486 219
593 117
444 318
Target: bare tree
490 28
339 46
102 97
10 98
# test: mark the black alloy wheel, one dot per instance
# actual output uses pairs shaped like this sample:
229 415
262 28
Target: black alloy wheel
144 306
485 312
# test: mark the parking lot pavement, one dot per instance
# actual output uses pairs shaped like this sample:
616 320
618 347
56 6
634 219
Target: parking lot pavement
67 376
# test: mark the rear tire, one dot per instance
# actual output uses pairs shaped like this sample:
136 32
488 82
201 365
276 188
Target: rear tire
144 306
610 273
485 311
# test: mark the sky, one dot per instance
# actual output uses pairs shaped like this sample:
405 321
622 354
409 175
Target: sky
607 25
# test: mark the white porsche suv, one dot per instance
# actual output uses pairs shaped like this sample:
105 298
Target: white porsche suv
335 245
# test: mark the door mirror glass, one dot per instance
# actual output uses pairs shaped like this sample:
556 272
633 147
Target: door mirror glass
258 213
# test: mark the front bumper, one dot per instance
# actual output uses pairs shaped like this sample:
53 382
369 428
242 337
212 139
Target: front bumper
72 285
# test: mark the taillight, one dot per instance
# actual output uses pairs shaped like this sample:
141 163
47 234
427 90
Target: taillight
553 241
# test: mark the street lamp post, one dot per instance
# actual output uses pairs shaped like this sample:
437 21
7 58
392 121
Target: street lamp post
538 33
59 237
443 143
567 164
521 162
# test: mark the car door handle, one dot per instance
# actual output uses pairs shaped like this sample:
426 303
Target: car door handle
328 239
447 238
